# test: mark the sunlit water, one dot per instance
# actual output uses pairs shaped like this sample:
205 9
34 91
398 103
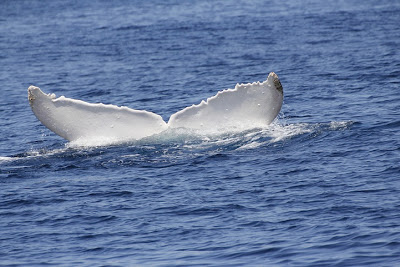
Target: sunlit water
320 186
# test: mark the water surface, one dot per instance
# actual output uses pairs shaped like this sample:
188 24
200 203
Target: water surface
318 187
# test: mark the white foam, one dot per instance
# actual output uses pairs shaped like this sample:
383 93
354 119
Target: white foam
280 132
174 141
275 132
340 125
3 159
35 154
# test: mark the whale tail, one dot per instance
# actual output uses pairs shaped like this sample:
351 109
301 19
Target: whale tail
246 106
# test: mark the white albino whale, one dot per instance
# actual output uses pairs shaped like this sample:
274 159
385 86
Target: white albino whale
246 106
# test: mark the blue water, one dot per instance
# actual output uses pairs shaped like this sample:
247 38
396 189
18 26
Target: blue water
320 187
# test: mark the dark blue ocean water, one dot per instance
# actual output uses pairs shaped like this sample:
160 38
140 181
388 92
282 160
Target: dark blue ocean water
320 187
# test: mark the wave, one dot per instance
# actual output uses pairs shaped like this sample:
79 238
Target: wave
173 144
4 159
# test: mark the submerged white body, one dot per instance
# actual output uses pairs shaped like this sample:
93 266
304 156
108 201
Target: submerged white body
247 106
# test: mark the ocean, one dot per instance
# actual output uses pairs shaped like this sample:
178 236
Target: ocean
319 187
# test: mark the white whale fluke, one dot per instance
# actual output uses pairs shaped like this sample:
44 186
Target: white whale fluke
247 106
